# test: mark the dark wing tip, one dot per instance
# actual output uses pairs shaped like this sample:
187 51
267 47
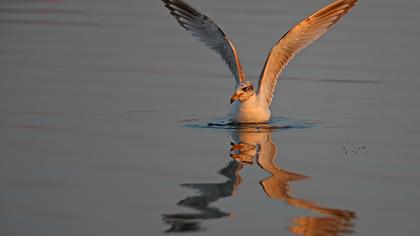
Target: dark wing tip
181 6
182 12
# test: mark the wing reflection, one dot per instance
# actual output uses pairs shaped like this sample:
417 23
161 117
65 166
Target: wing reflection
256 144
208 193
249 145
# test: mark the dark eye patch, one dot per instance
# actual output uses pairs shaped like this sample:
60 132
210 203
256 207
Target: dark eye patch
245 89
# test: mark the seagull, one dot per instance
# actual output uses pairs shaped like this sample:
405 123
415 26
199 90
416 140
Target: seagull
250 104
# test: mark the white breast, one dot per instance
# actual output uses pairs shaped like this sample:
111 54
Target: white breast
250 111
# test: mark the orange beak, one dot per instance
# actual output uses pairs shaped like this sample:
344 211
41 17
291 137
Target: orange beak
235 96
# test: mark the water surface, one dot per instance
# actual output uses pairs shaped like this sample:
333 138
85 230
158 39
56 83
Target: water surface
95 95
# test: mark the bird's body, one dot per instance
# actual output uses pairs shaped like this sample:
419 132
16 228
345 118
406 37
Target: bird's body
250 111
250 105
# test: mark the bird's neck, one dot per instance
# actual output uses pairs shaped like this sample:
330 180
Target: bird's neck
251 103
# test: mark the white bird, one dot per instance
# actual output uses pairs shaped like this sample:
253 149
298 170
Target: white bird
250 105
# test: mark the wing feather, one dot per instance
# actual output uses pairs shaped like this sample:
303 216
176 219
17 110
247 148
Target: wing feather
206 31
299 37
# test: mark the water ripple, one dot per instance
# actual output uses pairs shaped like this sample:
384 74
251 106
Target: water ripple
275 123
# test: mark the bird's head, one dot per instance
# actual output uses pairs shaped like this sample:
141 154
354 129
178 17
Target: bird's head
244 92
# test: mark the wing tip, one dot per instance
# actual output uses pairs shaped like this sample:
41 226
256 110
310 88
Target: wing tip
181 11
181 6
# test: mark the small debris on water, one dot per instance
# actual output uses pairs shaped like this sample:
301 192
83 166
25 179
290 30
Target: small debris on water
355 150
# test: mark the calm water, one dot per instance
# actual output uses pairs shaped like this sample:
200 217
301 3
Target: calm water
102 102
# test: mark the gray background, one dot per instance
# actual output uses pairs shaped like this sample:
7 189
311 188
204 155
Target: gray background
92 94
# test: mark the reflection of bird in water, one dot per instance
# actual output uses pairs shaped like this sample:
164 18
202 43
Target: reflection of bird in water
208 193
249 144
251 105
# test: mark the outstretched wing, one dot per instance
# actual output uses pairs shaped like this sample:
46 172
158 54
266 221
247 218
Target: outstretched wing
299 37
205 30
